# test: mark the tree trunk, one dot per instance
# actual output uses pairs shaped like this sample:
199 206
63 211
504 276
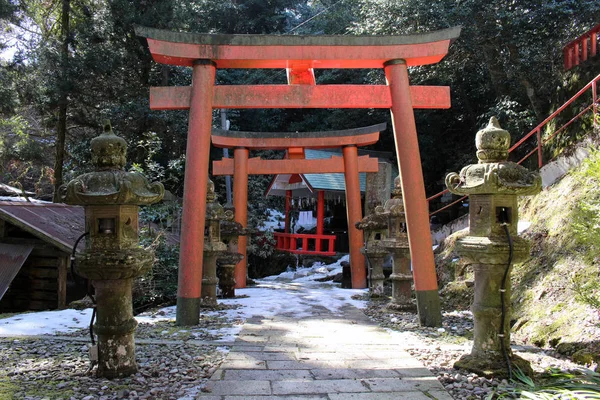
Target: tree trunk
529 89
61 128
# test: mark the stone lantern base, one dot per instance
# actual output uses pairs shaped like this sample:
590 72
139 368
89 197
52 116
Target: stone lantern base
489 257
493 364
375 258
401 278
226 273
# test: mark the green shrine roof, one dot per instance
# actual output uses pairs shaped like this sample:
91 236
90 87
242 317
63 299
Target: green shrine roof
334 182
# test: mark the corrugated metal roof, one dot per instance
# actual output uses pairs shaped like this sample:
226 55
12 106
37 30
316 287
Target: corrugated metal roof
58 224
12 257
329 181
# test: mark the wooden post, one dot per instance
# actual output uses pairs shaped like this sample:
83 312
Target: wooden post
63 265
194 194
288 207
413 190
354 215
320 218
240 201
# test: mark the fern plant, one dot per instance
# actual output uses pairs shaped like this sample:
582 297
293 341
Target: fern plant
555 384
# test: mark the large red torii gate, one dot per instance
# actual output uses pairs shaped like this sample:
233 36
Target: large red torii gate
300 55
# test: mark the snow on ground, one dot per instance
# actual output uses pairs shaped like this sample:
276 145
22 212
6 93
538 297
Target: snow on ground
292 292
45 322
522 226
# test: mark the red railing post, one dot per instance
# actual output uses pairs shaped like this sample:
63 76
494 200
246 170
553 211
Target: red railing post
567 58
584 49
595 101
538 135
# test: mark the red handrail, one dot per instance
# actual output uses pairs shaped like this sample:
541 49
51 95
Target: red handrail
593 106
311 243
578 50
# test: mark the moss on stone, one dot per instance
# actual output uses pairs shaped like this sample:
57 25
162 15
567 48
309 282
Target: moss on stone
7 388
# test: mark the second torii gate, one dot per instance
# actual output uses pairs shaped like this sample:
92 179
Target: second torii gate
295 143
300 55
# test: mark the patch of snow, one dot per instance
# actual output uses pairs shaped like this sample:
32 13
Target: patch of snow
274 220
22 199
291 293
522 226
45 322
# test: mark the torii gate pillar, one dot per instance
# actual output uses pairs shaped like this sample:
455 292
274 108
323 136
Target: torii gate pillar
197 152
413 193
240 201
354 213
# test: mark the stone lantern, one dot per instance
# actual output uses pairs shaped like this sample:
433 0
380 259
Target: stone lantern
492 245
375 227
213 246
230 231
113 256
397 244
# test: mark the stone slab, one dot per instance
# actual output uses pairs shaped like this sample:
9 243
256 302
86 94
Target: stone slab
239 347
401 385
433 395
345 373
294 397
244 364
289 365
267 375
320 386
384 364
261 355
303 355
238 387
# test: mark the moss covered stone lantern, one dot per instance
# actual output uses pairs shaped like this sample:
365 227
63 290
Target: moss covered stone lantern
213 246
375 227
112 257
231 230
493 186
397 244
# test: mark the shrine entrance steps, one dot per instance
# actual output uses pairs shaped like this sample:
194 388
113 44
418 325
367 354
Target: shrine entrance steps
325 356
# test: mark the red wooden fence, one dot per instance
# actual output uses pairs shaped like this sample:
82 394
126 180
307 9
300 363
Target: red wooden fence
310 243
582 48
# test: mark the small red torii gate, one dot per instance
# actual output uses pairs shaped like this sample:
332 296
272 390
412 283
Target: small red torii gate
295 143
299 55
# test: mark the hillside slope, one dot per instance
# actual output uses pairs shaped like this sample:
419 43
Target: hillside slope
556 295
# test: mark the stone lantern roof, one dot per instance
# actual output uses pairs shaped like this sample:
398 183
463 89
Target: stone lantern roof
494 174
110 183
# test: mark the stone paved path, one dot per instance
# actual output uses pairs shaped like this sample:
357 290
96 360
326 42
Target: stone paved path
340 356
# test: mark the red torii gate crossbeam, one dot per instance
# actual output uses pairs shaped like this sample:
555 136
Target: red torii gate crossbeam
299 55
295 143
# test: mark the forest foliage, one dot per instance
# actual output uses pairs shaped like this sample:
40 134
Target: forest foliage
69 64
